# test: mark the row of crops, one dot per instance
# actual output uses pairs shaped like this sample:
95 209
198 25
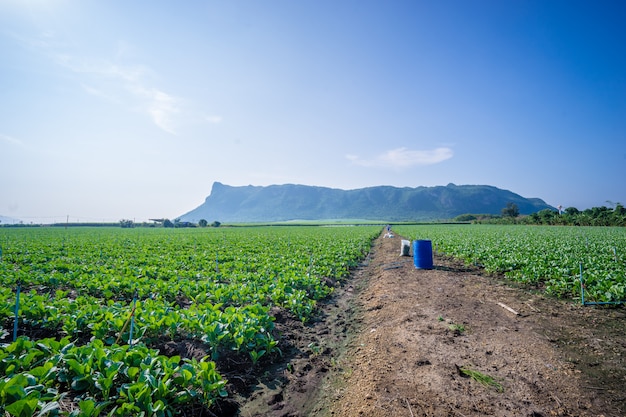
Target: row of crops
550 257
95 302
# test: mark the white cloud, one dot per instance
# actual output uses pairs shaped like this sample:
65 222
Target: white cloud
162 107
103 68
213 119
99 92
133 80
10 139
404 158
126 85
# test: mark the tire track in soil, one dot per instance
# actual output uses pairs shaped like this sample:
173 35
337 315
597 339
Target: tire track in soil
392 339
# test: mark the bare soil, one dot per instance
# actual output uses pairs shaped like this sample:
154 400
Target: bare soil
399 341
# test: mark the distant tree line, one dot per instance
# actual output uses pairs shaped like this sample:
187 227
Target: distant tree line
124 224
571 216
177 223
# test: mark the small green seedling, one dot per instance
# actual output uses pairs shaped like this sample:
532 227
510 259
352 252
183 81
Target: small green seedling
316 349
458 328
484 379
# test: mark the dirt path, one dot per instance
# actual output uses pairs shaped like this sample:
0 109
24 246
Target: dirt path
399 341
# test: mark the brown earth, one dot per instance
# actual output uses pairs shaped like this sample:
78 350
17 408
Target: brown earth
401 341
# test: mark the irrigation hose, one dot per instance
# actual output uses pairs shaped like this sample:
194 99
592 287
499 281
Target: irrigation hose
132 313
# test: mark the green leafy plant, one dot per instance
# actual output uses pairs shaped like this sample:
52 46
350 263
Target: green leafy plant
80 283
540 256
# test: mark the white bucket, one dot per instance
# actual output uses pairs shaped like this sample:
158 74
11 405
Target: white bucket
405 248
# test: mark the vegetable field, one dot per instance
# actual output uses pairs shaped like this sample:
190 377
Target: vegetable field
548 257
95 305
95 302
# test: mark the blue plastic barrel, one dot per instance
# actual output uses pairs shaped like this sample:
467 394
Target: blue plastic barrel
423 254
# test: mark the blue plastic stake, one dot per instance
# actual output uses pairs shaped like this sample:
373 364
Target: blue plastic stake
582 294
132 320
17 309
582 285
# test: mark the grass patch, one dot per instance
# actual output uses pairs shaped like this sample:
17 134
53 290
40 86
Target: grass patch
484 379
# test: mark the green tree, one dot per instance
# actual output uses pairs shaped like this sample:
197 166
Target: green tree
168 223
547 216
127 224
203 223
511 210
465 218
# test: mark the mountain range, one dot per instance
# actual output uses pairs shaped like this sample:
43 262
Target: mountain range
276 203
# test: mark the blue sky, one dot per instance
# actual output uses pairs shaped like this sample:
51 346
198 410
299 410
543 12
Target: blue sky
115 109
